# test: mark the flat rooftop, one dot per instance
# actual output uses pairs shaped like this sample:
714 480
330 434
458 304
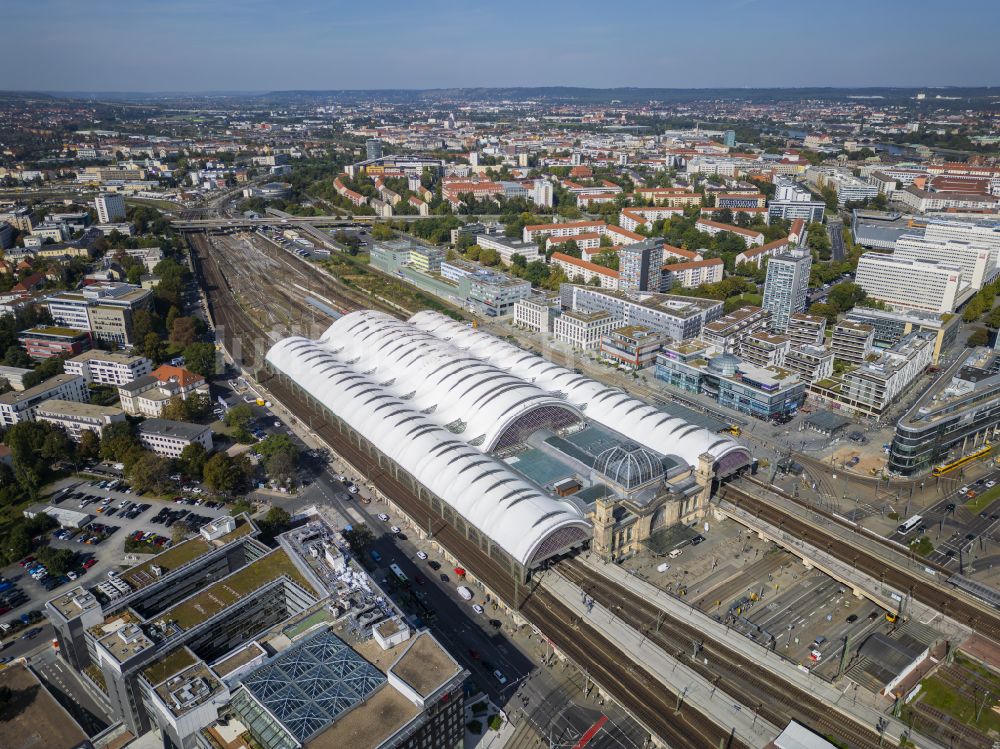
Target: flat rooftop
241 657
426 666
169 664
74 602
221 595
75 409
190 688
142 575
378 718
32 717
14 397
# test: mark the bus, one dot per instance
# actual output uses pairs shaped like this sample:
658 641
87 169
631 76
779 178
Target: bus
398 573
909 525
944 468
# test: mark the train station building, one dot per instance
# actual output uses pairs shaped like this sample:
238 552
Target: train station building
517 452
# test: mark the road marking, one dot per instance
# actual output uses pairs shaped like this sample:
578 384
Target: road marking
591 732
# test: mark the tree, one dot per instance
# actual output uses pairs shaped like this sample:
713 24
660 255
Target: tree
360 538
200 358
149 472
222 473
145 322
192 460
275 522
183 332
381 232
489 256
119 443
240 417
152 347
89 445
978 337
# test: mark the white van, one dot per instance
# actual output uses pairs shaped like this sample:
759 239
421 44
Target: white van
663 567
675 553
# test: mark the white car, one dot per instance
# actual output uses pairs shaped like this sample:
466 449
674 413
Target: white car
352 489
395 530
500 677
421 555
277 424
477 608
71 575
383 517
964 490
990 484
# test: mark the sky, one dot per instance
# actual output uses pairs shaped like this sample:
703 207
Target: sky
253 45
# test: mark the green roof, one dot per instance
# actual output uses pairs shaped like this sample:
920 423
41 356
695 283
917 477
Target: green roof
226 592
168 665
54 330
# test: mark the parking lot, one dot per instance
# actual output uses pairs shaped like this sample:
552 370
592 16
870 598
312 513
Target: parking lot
100 545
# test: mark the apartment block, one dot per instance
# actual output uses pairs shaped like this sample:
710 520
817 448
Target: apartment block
169 438
764 349
108 368
75 417
583 330
105 309
806 330
677 317
689 275
16 407
534 314
148 395
727 332
632 347
811 363
786 286
852 341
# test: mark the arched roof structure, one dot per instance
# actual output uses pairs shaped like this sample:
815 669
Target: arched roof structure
611 407
353 371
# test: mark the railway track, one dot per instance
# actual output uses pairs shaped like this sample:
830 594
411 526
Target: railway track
978 617
635 688
734 674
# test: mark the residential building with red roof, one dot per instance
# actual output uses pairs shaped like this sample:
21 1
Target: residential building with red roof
567 229
584 269
750 237
756 255
691 274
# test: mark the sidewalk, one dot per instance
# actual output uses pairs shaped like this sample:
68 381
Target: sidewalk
860 710
678 678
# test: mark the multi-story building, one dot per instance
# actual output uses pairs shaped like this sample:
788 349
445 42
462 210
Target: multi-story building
75 417
696 367
108 368
871 387
757 255
110 207
849 188
793 201
506 248
764 349
587 242
20 217
677 317
806 330
891 327
924 201
568 229
786 285
978 262
852 341
220 636
906 284
534 313
373 149
426 259
736 201
727 332
583 330
694 273
957 415
584 271
105 309
6 235
148 395
639 266
169 438
632 347
495 294
986 233
18 406
811 363
750 237
13 376
45 342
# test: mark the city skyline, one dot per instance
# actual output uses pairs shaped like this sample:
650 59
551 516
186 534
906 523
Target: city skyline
316 46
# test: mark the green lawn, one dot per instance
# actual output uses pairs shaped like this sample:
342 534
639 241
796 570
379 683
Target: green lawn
983 500
936 693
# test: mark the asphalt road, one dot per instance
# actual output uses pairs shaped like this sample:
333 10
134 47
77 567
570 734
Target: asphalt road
834 229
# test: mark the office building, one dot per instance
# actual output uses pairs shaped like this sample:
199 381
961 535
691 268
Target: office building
890 326
785 286
956 416
6 235
110 207
373 149
640 266
811 363
506 248
535 313
105 309
20 217
871 387
793 201
495 294
906 284
849 188
852 341
45 342
729 139
632 347
75 417
806 330
583 330
169 438
879 230
426 259
108 368
978 262
696 367
18 406
727 332
677 317
985 233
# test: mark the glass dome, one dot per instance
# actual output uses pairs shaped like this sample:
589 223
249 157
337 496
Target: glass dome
724 364
629 466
